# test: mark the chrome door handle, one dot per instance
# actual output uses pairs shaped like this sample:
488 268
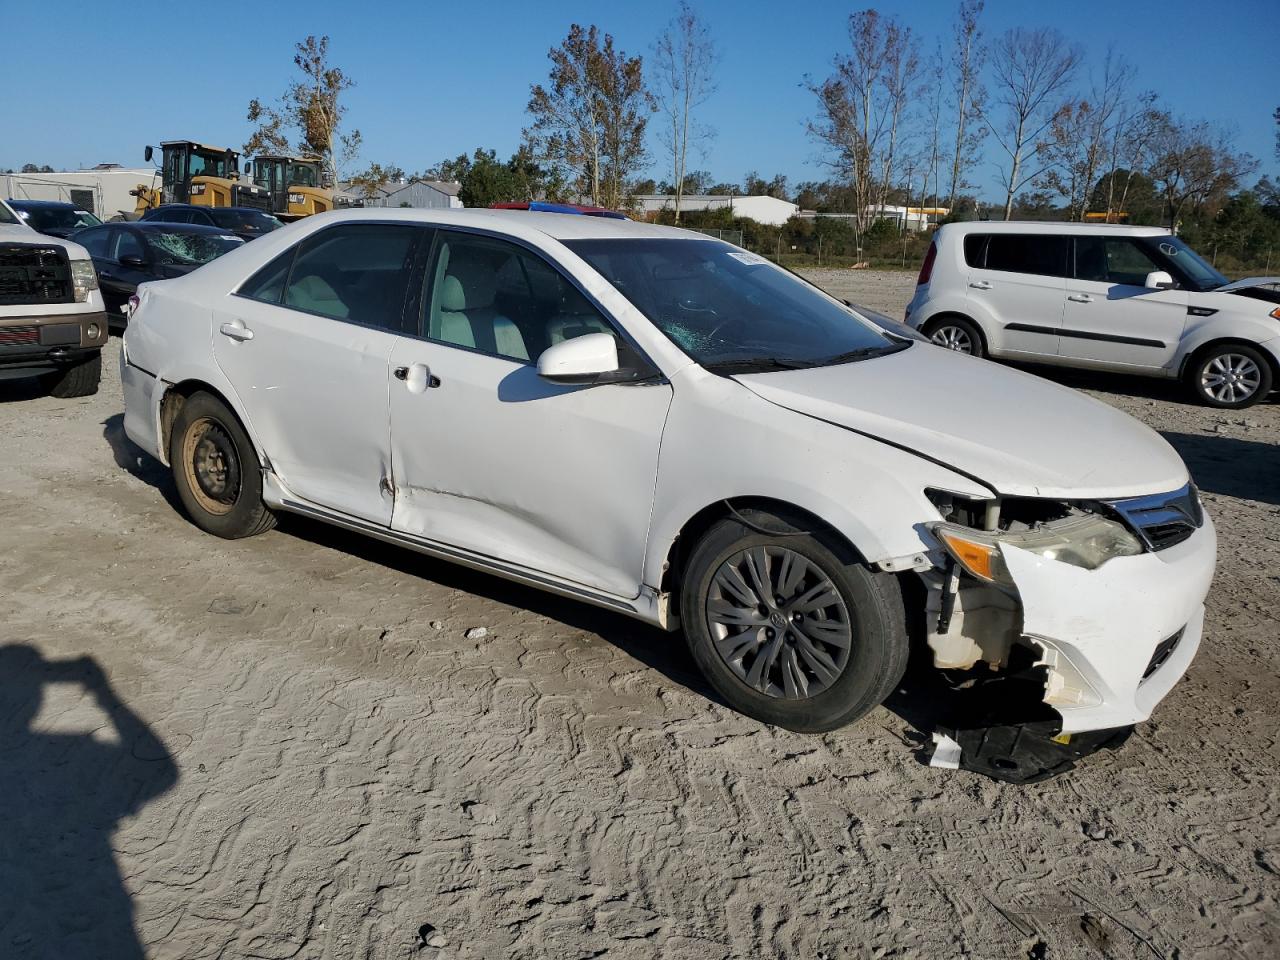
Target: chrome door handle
980 285
236 331
1080 298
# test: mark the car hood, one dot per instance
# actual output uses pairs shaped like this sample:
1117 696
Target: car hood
1246 283
1018 434
25 234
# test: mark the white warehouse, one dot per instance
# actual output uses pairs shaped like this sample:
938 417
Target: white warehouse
103 191
761 209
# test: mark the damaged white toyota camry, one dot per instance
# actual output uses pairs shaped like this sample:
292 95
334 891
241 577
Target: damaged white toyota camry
661 423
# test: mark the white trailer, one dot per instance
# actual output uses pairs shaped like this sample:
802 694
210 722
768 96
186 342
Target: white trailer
104 193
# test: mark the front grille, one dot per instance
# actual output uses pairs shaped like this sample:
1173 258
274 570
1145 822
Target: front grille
258 199
1163 520
1164 650
31 273
12 335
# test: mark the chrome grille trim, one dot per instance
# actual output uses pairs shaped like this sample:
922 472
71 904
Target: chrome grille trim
1162 520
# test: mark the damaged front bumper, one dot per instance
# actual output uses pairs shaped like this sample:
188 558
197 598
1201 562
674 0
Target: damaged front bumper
1108 643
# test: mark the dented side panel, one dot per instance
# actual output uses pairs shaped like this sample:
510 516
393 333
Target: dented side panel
1098 629
498 461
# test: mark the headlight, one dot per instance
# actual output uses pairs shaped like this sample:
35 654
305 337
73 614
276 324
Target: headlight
1086 541
83 279
197 189
296 198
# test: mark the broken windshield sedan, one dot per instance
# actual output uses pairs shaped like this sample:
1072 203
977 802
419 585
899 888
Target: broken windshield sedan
669 426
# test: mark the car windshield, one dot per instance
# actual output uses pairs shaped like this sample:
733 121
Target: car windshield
251 221
6 216
190 249
1202 276
60 218
732 310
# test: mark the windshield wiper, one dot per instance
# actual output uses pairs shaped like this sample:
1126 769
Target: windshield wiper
863 353
756 365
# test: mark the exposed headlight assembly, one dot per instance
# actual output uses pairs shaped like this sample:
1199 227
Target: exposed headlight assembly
1087 541
83 279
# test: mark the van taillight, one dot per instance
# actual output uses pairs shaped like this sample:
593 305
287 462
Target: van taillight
926 268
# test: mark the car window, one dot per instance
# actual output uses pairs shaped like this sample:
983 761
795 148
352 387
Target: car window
356 272
125 244
1113 260
170 216
94 240
6 217
189 249
267 284
501 299
1037 254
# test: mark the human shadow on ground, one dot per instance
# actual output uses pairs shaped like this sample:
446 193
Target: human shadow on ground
62 795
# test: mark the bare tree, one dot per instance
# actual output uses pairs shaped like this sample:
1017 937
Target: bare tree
1031 70
1080 136
967 56
1130 147
861 105
685 57
931 159
1194 166
311 107
590 119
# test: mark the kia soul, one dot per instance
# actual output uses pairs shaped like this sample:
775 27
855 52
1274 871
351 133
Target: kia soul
1100 296
666 425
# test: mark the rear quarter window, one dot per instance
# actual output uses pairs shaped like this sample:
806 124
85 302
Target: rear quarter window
1037 254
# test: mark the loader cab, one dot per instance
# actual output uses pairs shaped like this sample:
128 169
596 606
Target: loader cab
298 186
203 175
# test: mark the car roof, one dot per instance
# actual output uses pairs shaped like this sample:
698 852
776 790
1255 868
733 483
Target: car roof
159 226
43 204
558 226
196 206
1051 226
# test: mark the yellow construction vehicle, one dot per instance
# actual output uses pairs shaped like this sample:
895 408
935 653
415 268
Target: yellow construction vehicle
296 185
199 174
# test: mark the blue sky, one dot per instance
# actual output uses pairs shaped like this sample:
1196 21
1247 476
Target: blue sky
91 82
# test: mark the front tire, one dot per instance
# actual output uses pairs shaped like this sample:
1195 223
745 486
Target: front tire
788 626
215 469
958 334
80 380
1230 376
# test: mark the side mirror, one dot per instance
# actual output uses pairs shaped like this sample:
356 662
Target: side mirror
1158 280
248 168
148 153
580 360
136 263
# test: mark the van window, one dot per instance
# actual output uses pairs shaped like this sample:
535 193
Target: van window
1039 254
1113 260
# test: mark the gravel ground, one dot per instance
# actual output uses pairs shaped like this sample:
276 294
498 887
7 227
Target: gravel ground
302 746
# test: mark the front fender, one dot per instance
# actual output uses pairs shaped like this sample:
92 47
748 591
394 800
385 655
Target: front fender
722 442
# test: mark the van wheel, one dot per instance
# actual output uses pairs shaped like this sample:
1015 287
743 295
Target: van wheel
80 380
788 626
1230 375
958 334
215 469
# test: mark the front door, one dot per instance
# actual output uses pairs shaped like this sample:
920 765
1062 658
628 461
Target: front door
1020 280
1112 316
119 280
305 343
491 458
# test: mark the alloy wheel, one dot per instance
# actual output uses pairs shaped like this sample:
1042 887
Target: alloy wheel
779 622
953 338
1230 378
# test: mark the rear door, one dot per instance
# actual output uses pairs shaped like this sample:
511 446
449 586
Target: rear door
1111 315
305 343
1019 281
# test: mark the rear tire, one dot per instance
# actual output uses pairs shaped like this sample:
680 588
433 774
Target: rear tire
80 380
1230 376
957 333
216 471
821 643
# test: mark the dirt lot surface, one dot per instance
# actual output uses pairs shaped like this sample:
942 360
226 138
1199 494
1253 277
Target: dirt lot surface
312 745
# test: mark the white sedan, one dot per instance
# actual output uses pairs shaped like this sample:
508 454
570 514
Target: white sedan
660 423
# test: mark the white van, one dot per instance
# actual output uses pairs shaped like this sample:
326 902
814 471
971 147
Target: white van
1102 296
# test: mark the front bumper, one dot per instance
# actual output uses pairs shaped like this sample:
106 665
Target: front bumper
39 342
1099 631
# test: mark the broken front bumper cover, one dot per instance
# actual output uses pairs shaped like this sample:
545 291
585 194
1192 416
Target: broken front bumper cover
1109 643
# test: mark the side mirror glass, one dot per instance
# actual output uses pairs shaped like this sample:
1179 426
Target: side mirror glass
148 153
1158 280
580 360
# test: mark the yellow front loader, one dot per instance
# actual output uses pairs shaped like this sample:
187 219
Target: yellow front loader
296 185
199 174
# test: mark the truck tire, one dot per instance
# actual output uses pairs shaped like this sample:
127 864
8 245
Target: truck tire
80 380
